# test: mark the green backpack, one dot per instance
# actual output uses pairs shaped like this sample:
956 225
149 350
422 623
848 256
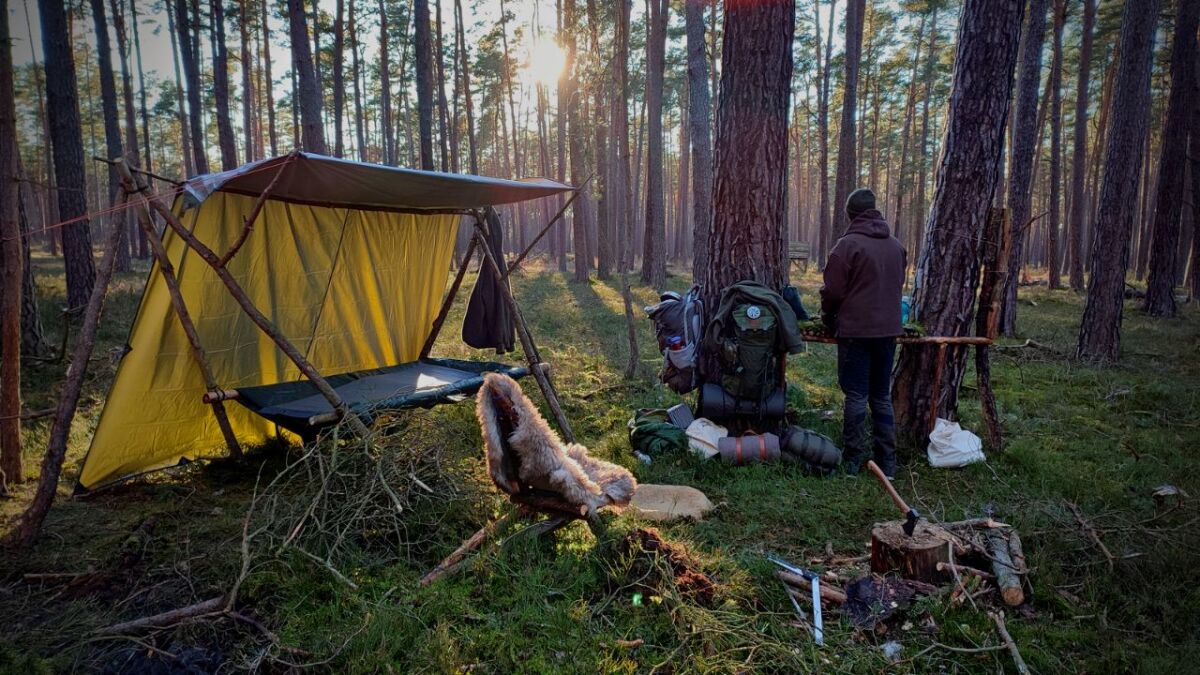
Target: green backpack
749 362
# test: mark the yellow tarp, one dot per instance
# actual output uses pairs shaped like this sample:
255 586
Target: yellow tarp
351 289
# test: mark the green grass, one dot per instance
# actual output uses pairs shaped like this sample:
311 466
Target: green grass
1098 437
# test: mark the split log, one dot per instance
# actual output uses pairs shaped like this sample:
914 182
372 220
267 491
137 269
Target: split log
916 557
1017 552
830 594
1007 579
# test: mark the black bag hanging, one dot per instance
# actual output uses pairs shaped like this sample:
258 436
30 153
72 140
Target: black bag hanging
488 323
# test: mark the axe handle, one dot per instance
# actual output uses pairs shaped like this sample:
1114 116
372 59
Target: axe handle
887 485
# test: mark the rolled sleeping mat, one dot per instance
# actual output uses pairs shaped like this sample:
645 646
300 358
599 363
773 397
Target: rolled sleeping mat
716 403
802 445
749 449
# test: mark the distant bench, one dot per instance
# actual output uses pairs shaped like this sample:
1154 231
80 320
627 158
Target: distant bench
799 253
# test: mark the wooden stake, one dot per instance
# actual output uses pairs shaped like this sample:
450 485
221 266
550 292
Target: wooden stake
167 270
256 316
531 353
445 310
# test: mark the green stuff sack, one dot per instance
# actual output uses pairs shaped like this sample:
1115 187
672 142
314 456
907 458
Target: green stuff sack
749 358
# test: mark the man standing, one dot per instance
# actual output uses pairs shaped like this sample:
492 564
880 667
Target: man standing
860 301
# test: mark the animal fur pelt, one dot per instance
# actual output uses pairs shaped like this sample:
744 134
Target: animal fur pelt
522 450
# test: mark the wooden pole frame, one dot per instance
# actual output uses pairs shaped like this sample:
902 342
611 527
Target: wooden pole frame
256 316
539 370
167 270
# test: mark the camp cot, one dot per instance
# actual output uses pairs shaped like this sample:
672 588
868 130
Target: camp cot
306 288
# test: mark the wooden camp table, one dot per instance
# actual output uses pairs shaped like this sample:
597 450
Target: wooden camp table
942 342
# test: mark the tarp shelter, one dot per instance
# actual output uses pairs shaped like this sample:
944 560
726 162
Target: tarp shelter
349 262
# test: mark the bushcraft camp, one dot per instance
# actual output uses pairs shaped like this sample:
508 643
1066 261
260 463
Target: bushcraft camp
509 336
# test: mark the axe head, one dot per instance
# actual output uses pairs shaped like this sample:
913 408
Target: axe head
910 521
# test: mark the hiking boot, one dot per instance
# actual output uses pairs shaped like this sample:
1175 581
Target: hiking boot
852 461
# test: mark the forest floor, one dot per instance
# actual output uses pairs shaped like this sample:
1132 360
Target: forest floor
1096 439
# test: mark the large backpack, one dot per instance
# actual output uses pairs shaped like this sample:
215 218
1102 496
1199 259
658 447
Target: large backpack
677 324
749 352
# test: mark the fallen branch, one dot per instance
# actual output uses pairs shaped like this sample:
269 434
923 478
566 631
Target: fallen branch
964 569
828 593
454 560
1007 579
207 607
1091 533
998 617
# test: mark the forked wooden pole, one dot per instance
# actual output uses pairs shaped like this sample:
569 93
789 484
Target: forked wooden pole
530 349
445 310
167 270
264 324
248 223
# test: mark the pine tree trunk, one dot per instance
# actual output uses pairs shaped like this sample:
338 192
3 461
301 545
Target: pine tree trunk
1160 291
1100 331
442 106
11 272
312 131
1052 225
824 222
899 226
385 91
191 74
847 162
700 135
923 154
220 55
1193 267
654 255
132 153
576 135
1020 176
33 338
623 182
339 79
360 139
112 128
968 174
265 34
747 240
424 54
1079 198
248 93
468 99
66 137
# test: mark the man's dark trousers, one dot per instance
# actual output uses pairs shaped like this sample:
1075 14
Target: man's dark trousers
865 375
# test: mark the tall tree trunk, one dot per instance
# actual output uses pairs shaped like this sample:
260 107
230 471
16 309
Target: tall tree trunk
248 94
360 139
468 104
605 236
918 218
339 79
824 222
132 153
424 53
442 106
1160 291
265 29
390 156
191 73
66 138
1052 225
112 128
312 131
1193 267
576 136
654 256
747 240
1020 169
1100 330
968 173
11 271
623 210
221 88
847 162
910 113
700 135
561 231
1079 154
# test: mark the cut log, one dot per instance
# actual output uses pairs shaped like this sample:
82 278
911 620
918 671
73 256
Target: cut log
1007 579
915 557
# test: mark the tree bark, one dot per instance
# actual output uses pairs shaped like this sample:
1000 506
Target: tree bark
824 224
385 91
339 79
1160 291
191 74
424 54
747 240
847 161
654 255
1079 198
66 137
248 92
576 136
468 101
312 131
132 153
220 55
700 135
1193 270
1020 165
918 204
112 128
11 271
623 186
1052 224
1100 330
272 135
968 174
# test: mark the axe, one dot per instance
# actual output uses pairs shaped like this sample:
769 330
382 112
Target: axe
910 514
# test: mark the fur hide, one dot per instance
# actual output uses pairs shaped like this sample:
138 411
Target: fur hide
522 450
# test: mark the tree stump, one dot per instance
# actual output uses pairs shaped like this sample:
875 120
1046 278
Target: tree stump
915 557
